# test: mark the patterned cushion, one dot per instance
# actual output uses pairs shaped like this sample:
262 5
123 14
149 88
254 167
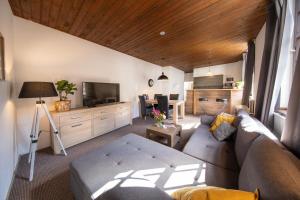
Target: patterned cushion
224 131
223 117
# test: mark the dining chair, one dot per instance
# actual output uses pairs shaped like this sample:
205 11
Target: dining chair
157 95
163 106
145 109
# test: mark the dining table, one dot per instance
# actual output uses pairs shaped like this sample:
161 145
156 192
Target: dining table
178 108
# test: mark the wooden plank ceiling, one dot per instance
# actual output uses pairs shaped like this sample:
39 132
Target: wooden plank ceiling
198 32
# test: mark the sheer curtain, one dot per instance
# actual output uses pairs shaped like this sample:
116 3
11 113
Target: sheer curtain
269 87
291 132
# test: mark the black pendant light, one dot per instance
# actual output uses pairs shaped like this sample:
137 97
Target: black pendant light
162 77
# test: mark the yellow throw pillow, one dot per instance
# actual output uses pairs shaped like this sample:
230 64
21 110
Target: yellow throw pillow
213 193
223 117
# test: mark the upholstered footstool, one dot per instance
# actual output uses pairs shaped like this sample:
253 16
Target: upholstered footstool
134 161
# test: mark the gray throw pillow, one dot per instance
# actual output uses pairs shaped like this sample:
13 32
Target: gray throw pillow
224 131
207 119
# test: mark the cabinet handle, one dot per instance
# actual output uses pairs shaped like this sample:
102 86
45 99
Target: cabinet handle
75 117
76 125
103 118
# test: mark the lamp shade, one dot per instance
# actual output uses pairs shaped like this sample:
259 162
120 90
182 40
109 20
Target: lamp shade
162 77
37 90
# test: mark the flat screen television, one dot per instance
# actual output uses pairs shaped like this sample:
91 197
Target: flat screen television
100 93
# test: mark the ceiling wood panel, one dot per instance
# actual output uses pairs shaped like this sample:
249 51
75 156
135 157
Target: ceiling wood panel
198 32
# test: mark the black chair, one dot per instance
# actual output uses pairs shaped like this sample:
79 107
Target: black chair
157 95
163 105
174 96
146 96
145 109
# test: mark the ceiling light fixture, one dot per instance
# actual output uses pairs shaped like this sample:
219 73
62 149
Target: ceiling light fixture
162 33
162 77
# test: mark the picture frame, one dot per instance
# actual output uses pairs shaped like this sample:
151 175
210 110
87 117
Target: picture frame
2 63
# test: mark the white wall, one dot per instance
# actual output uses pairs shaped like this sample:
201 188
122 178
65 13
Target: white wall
45 54
259 49
8 152
175 83
228 70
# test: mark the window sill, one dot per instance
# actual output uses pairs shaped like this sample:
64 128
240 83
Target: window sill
282 112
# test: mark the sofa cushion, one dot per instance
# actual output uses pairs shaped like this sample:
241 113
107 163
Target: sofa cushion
248 130
243 141
133 159
203 145
262 129
223 117
270 169
213 193
242 113
134 193
224 131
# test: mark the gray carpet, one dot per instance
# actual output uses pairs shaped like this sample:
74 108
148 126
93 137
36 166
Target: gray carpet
51 178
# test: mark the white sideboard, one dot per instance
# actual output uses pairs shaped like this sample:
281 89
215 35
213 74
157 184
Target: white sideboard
81 124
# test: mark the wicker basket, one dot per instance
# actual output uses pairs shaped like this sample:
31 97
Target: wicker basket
62 106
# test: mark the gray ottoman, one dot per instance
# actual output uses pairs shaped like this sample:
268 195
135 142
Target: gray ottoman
134 161
134 193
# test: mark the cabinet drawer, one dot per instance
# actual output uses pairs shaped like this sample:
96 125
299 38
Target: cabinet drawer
122 119
76 132
123 108
74 118
103 113
103 125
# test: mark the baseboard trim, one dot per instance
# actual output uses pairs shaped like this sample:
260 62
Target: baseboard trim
13 178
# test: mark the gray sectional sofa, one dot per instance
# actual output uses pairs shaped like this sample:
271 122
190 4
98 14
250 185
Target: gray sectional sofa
254 154
251 159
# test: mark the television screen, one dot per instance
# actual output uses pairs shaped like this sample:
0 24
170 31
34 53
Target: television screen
100 93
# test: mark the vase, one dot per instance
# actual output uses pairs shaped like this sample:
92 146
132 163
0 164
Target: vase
159 124
62 106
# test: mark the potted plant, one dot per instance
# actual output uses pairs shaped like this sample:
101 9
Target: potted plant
64 88
158 117
239 84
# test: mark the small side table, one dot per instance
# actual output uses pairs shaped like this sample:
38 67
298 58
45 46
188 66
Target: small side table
171 133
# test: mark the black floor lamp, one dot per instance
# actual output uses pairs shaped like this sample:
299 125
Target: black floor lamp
39 90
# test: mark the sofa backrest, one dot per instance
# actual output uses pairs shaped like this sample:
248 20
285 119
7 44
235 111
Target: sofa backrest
248 130
245 136
243 142
271 169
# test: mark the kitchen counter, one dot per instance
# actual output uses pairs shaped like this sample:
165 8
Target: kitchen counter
194 106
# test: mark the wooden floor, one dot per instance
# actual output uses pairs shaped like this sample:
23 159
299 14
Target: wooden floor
51 178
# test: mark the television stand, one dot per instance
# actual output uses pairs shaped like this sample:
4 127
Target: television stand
82 124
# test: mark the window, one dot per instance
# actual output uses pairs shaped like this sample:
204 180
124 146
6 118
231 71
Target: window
287 58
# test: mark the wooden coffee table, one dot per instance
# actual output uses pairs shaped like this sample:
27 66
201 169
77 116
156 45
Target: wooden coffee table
171 133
